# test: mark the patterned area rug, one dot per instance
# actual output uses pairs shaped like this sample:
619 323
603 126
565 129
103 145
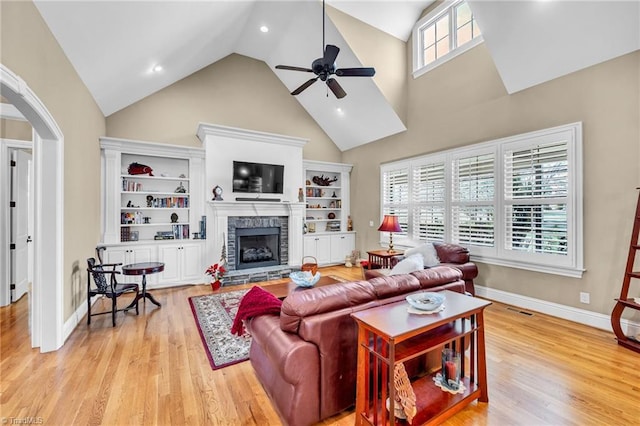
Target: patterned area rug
214 314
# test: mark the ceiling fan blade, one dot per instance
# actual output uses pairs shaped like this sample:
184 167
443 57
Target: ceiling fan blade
336 88
330 54
287 67
304 86
356 72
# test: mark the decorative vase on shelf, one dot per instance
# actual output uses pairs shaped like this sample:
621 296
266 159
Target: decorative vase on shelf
215 285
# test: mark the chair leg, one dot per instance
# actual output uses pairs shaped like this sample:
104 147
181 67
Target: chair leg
88 309
137 301
113 309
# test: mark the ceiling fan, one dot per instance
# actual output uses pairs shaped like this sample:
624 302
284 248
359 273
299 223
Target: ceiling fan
324 68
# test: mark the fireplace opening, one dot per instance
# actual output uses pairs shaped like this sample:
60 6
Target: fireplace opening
257 247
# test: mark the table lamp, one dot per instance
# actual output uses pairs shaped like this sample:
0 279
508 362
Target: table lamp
390 224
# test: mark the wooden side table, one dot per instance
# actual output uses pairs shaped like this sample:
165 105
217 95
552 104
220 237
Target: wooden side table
389 335
382 258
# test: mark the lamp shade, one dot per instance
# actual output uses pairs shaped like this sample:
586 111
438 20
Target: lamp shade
390 224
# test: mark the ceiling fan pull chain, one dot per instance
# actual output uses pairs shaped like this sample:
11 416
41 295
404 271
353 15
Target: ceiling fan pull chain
323 26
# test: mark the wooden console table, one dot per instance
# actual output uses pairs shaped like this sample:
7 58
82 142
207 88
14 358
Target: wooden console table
382 258
389 335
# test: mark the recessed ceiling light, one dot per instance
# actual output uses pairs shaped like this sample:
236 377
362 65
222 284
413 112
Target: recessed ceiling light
157 68
340 111
264 29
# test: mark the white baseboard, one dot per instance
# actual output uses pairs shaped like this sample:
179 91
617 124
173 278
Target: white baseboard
74 319
581 316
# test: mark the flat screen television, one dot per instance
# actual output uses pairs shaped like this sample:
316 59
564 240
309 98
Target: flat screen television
258 178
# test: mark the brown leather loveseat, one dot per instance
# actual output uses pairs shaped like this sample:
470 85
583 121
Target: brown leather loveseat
306 358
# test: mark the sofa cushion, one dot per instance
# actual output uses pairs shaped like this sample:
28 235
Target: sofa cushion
428 253
451 253
437 275
323 299
390 286
409 264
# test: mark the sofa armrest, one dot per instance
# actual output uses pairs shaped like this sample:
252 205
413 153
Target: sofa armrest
451 253
288 368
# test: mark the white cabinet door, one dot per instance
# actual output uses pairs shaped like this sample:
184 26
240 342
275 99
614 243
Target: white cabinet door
341 246
318 246
309 248
170 255
182 263
142 254
129 254
116 255
192 268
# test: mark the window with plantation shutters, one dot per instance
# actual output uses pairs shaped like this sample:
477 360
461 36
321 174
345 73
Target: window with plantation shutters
536 197
395 195
472 200
514 202
428 202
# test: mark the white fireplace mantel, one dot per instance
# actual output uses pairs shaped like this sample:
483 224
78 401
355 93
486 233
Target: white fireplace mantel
220 211
224 145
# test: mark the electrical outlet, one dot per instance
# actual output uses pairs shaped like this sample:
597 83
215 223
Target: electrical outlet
584 297
371 223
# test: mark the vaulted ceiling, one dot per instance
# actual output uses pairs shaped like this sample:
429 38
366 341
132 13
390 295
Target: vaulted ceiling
115 45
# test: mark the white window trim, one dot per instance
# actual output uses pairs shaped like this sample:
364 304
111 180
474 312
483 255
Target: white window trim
418 68
572 265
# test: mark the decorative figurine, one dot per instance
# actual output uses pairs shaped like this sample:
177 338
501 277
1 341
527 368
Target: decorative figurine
349 223
174 218
300 195
139 169
217 192
149 200
181 189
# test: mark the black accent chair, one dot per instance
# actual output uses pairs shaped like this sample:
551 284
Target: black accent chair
107 285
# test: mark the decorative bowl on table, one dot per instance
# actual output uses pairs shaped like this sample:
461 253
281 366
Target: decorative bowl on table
426 301
304 278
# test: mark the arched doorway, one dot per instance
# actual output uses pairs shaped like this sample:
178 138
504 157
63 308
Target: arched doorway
48 143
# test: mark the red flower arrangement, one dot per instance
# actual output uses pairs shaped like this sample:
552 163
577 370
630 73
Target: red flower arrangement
216 271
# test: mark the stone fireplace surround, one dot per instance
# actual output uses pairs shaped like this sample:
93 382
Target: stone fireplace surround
270 222
224 217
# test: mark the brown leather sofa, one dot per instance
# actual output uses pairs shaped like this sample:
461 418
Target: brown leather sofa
452 255
306 358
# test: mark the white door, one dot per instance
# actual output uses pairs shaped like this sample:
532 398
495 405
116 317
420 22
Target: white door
20 224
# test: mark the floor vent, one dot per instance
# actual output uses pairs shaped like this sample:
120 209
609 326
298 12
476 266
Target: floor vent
529 314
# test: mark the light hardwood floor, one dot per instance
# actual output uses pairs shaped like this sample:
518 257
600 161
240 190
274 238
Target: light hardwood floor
152 369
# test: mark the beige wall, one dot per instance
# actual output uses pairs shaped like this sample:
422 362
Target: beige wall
236 91
14 129
30 51
464 101
375 48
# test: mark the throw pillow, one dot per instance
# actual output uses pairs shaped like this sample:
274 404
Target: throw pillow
408 265
428 253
